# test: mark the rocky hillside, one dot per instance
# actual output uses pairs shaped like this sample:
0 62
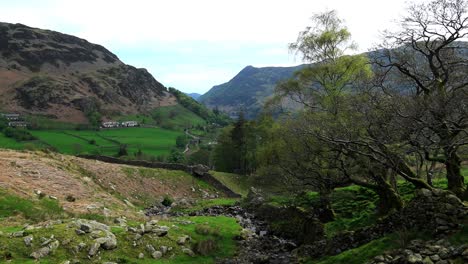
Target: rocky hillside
65 77
248 90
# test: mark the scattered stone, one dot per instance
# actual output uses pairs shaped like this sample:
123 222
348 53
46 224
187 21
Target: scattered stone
52 197
141 256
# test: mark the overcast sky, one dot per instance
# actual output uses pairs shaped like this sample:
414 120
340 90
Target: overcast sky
193 45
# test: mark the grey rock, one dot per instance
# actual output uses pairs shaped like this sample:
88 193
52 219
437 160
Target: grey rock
157 254
150 249
163 249
93 250
40 253
18 234
427 260
86 228
141 256
414 258
28 240
79 232
188 251
435 257
108 242
183 239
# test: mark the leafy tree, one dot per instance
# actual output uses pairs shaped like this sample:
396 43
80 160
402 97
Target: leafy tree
176 156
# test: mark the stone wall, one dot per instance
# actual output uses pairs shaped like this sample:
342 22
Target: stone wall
198 171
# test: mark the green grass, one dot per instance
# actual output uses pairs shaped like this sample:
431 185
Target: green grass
363 253
238 183
207 203
31 210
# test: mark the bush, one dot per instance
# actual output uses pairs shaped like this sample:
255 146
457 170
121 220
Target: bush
70 198
18 134
205 247
167 201
122 151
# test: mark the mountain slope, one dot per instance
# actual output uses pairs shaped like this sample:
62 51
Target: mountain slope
65 77
247 90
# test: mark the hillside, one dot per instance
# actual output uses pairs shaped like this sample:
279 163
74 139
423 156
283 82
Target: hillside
67 78
247 90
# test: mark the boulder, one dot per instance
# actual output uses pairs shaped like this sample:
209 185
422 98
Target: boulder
28 240
157 254
183 239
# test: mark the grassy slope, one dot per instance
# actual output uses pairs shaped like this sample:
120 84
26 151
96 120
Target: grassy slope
238 183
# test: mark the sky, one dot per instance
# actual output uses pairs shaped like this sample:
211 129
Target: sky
193 45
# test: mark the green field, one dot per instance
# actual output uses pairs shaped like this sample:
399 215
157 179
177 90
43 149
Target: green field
151 141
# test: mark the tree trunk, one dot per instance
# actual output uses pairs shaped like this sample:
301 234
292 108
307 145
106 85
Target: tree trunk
326 211
455 180
389 200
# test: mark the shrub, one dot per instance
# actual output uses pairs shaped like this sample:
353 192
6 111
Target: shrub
18 134
205 247
167 201
70 198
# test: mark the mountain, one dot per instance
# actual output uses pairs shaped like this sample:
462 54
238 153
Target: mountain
61 76
248 90
194 95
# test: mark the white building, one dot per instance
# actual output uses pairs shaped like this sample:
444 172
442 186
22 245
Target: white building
129 124
110 124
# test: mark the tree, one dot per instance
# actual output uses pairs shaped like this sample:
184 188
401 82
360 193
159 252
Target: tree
322 85
339 118
425 57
